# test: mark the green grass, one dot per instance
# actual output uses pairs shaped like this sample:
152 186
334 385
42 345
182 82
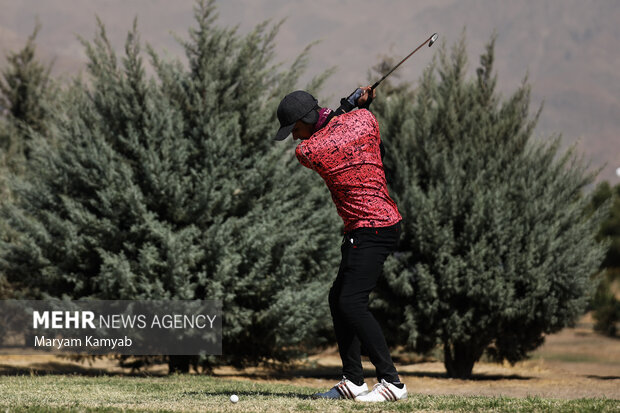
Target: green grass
54 393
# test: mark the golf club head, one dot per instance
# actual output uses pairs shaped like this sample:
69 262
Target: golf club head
433 39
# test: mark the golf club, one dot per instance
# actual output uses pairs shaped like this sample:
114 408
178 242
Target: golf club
430 42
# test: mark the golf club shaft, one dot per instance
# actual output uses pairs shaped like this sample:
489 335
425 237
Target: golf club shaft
430 39
400 63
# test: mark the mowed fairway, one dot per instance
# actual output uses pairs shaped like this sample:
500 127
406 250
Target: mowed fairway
575 371
208 394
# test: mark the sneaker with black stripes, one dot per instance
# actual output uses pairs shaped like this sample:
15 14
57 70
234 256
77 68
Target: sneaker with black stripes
384 392
345 389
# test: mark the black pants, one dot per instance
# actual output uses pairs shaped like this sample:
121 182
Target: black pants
363 253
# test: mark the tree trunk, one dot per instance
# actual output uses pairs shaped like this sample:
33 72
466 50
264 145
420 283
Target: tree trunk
459 359
179 364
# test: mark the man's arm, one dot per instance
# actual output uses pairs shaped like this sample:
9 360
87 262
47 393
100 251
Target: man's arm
360 99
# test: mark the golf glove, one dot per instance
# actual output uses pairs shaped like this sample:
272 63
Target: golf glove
355 96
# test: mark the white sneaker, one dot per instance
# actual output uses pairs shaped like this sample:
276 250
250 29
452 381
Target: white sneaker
345 389
384 392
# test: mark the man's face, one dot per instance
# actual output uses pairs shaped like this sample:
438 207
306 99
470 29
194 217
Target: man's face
302 130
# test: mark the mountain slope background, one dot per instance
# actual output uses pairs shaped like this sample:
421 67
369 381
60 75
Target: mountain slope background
567 48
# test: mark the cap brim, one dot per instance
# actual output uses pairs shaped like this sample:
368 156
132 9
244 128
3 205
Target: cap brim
283 132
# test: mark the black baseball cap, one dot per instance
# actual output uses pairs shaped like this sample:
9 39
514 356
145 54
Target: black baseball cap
298 105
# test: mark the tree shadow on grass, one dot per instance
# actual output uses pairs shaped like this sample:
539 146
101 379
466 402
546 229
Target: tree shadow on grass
335 373
474 377
329 373
56 368
603 377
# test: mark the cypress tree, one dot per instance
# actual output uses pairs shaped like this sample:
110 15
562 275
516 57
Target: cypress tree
25 91
170 187
610 227
606 306
25 94
497 249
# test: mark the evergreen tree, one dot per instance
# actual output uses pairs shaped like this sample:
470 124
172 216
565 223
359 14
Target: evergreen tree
25 91
610 227
172 188
605 304
497 249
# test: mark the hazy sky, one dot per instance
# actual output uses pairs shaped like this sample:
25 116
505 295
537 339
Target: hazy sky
569 48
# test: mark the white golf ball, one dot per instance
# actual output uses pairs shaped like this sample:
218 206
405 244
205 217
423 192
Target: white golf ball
618 172
234 398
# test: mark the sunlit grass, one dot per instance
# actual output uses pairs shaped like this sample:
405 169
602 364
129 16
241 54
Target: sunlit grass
52 393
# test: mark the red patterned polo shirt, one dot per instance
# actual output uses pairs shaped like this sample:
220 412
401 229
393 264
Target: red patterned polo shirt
347 156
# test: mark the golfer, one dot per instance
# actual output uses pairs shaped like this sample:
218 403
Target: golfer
344 147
